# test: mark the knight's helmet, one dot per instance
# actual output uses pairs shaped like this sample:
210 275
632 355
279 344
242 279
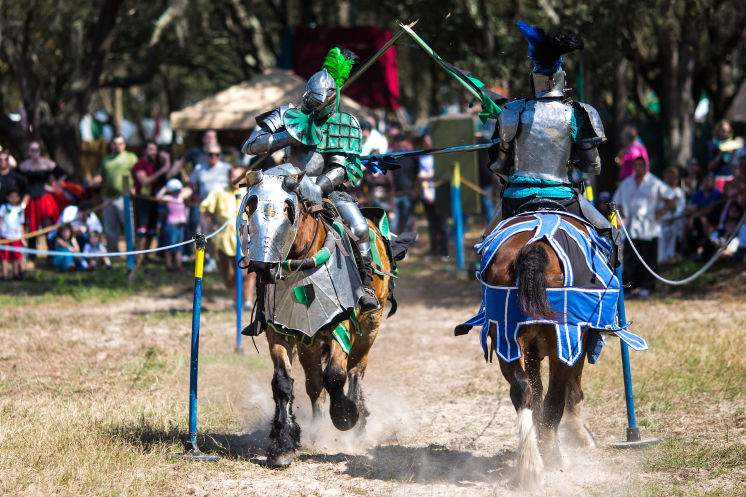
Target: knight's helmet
546 51
322 89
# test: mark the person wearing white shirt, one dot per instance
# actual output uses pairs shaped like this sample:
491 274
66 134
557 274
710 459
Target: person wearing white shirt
642 199
373 141
672 224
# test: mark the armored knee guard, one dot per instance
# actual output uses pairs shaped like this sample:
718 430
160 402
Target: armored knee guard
351 215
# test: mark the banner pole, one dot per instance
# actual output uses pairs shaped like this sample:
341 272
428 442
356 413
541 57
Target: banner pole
458 218
191 449
128 230
633 439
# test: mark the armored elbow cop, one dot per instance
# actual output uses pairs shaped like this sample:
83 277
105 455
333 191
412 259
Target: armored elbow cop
500 161
585 155
328 181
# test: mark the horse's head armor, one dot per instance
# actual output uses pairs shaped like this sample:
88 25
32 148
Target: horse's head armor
269 216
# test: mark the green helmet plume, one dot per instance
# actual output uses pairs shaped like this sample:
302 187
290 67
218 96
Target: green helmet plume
339 64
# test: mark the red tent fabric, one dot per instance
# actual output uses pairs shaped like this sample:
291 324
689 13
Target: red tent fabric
378 87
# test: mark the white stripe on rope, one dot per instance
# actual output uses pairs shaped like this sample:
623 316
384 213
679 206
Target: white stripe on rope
699 272
24 250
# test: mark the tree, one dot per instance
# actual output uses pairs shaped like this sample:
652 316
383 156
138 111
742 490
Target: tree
683 49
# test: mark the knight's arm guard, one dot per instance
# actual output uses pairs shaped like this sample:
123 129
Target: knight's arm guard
507 128
334 176
501 163
269 135
590 135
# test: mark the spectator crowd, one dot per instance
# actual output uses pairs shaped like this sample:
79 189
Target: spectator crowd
688 213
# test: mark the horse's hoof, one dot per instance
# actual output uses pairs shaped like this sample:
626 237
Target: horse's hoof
344 414
281 460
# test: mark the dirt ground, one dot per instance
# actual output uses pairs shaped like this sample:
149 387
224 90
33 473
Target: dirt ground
93 401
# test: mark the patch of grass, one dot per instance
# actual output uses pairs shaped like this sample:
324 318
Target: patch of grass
43 285
679 455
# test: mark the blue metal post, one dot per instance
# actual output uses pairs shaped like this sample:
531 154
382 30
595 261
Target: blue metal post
458 218
129 236
633 432
239 295
191 449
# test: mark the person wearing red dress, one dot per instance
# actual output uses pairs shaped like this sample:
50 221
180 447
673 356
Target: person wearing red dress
40 172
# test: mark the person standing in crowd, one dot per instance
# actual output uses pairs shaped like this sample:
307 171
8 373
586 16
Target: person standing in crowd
435 224
642 199
11 228
221 205
211 175
672 222
721 153
405 184
174 195
11 159
186 166
10 179
148 174
208 177
373 140
632 149
41 208
115 166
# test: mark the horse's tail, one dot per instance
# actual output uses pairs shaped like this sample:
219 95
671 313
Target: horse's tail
529 269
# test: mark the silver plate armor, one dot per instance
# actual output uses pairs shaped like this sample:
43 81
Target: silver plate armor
267 233
548 85
543 143
336 289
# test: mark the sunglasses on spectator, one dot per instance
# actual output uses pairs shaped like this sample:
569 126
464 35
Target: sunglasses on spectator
214 155
34 149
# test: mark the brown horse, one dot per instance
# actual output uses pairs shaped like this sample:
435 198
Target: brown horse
535 268
326 365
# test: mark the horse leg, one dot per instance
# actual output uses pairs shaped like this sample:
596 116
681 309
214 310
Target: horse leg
533 371
529 465
285 434
554 406
342 410
580 435
358 362
310 359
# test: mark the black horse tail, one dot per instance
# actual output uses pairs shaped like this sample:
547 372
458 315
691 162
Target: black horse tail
529 270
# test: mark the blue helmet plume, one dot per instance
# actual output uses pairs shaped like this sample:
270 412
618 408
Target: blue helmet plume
546 50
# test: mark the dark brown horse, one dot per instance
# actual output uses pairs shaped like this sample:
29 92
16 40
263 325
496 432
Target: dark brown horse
326 365
535 268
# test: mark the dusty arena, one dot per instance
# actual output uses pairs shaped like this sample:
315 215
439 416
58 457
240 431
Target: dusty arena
94 381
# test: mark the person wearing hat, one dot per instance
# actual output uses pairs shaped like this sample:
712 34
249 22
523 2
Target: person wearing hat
174 195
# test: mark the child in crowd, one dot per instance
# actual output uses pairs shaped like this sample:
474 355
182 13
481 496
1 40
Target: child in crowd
66 242
174 195
95 246
11 228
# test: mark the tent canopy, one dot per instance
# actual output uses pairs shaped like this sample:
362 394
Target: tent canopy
236 107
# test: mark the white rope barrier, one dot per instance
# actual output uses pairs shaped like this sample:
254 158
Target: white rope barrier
699 272
25 250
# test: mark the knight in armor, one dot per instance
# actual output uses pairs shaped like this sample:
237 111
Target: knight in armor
325 144
544 141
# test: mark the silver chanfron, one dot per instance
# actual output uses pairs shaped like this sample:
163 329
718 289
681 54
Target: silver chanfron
269 217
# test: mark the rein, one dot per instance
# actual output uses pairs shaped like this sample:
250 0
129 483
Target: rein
319 257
